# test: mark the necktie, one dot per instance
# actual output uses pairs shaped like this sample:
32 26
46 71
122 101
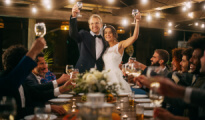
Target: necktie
99 36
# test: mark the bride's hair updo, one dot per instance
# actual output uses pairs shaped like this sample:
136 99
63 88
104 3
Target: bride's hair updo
113 30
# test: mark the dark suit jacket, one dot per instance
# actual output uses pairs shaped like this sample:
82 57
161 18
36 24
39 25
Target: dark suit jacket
86 46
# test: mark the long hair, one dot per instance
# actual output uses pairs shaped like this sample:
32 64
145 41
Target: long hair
113 30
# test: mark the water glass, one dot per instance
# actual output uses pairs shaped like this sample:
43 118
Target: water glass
40 113
139 112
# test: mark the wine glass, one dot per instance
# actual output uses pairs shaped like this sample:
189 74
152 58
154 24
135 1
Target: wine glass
136 69
40 113
40 30
7 108
134 13
69 69
155 97
80 5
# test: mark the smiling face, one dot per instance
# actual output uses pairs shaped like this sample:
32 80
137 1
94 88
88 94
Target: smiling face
202 69
95 25
195 61
108 35
42 67
184 64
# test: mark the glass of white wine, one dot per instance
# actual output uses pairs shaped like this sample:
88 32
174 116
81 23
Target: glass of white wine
40 30
69 69
134 13
136 69
80 5
155 97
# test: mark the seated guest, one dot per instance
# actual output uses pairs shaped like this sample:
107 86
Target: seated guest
176 59
26 94
15 73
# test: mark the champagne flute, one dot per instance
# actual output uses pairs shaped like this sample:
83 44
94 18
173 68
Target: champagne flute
40 30
80 5
69 69
155 97
134 13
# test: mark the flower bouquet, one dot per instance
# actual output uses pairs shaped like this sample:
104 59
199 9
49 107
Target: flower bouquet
94 81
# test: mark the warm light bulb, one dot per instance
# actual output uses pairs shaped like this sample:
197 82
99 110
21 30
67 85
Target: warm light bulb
184 9
149 17
196 23
71 1
48 7
202 25
169 31
191 15
124 22
204 6
170 24
144 1
110 1
157 14
188 4
34 10
8 2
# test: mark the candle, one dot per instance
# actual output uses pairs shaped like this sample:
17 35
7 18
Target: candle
124 117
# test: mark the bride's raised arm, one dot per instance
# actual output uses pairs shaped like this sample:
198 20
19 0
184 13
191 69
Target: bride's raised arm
125 43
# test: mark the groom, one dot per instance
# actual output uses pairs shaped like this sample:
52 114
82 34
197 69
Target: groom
91 44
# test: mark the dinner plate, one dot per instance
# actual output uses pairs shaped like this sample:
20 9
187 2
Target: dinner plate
30 117
72 92
65 96
142 100
148 113
81 94
123 94
57 100
140 96
147 105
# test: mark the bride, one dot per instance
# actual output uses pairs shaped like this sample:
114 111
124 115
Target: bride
113 54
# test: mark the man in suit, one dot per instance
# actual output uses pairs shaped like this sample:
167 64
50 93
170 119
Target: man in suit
91 44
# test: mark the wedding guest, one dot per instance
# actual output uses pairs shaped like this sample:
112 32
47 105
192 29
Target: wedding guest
176 59
91 44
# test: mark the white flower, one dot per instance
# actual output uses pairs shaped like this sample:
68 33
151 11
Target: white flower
98 74
93 69
91 79
102 82
85 76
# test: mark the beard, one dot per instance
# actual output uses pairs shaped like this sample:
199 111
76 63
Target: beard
155 64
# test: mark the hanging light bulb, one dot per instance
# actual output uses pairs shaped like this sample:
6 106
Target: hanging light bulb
188 4
157 14
8 2
144 1
149 17
184 9
191 15
169 31
196 24
124 22
170 24
34 9
202 25
110 1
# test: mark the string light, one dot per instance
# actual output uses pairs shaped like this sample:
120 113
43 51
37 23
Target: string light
184 9
170 24
188 4
169 31
34 9
202 25
124 22
8 2
110 1
144 1
157 14
191 15
196 24
149 17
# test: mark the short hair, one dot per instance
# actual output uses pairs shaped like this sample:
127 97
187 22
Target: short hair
12 56
187 52
177 54
113 30
197 42
39 55
163 54
95 16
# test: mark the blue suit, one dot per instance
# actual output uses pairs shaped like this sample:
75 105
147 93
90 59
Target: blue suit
86 46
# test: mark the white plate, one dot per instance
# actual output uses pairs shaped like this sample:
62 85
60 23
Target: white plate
56 100
142 100
81 94
72 92
140 96
30 117
148 113
147 105
65 96
136 86
123 94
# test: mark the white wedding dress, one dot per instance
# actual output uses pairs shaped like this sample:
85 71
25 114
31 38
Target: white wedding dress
112 58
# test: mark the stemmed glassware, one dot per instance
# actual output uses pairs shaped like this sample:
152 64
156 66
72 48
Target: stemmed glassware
69 69
136 69
40 30
7 108
80 5
155 97
134 13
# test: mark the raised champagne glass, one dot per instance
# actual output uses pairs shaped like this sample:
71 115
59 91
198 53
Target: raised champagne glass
40 30
69 69
134 13
80 5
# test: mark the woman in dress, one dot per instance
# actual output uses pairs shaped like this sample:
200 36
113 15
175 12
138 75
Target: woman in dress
113 55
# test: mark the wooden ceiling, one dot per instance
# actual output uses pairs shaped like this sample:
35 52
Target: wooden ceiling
171 10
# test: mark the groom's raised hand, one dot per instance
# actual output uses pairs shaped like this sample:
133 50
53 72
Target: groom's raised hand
75 10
